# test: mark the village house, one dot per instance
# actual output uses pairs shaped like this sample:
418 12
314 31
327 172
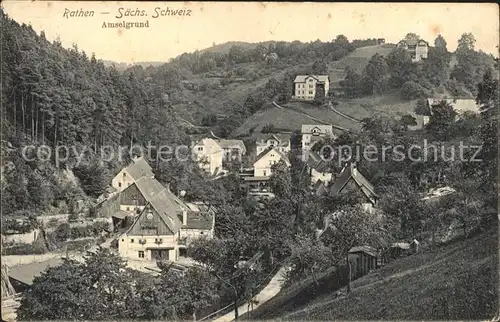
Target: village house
128 175
281 142
257 180
232 149
306 86
266 159
312 133
163 228
351 181
209 155
417 48
460 105
319 171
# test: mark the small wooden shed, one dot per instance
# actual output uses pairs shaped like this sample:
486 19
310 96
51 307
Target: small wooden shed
363 259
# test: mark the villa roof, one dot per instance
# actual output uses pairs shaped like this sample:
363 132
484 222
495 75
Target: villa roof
284 157
307 128
302 78
232 144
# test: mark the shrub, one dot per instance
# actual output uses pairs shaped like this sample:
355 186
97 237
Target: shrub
411 90
25 249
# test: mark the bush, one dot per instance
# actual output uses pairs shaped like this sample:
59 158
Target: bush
411 90
25 249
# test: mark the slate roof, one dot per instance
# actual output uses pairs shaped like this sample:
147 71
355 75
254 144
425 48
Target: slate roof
314 161
364 249
302 78
413 42
307 128
460 105
165 202
284 157
139 168
350 172
26 273
199 220
283 139
232 144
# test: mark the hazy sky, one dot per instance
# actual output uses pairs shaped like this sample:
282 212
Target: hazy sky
208 22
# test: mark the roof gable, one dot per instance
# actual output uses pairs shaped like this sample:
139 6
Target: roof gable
139 168
303 78
350 172
268 151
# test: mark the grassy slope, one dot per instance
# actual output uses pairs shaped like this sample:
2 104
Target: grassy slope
458 281
389 105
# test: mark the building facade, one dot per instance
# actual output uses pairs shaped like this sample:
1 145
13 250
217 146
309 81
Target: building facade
418 49
280 142
265 161
209 155
306 86
130 174
311 133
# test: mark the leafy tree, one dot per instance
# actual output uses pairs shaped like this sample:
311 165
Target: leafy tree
374 75
319 67
352 83
341 40
488 98
280 181
407 121
94 178
442 120
421 108
412 36
221 258
440 42
351 227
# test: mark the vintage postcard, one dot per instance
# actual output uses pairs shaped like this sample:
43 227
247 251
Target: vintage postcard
221 161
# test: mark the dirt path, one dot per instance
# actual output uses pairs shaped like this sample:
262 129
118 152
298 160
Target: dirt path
311 117
344 115
271 289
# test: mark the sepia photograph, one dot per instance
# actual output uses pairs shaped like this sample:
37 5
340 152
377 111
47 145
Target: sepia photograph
259 161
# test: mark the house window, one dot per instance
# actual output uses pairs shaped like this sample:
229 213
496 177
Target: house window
124 174
310 86
200 148
123 240
201 233
128 208
310 92
264 172
132 241
119 184
141 254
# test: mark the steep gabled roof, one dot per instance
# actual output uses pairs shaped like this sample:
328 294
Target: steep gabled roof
307 128
165 202
350 172
314 161
139 168
302 78
283 139
232 144
284 157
